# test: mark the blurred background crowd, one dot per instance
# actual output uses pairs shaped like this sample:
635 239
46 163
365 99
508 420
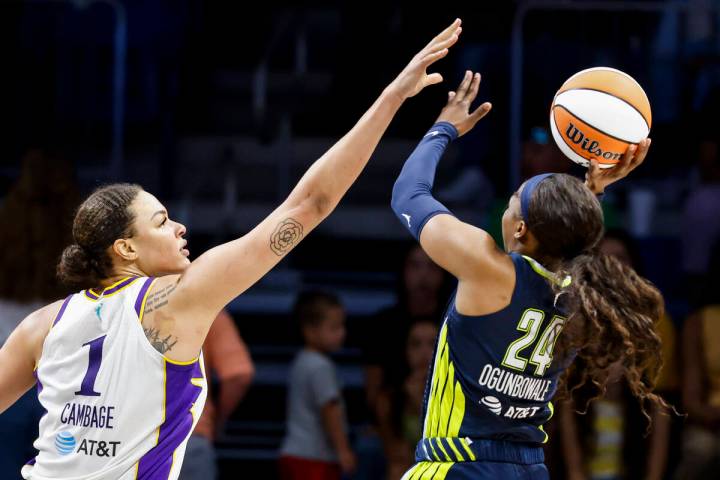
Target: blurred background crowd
217 108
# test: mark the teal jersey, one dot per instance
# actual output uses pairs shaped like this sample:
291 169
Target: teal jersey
493 376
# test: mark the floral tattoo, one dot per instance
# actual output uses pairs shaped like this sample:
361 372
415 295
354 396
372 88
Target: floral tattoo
285 236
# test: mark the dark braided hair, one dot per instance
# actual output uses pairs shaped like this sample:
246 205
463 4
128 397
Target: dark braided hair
103 217
612 311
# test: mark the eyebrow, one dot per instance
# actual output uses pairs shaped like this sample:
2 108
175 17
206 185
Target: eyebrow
158 213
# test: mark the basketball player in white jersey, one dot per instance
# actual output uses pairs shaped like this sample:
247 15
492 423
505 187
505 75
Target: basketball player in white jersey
118 365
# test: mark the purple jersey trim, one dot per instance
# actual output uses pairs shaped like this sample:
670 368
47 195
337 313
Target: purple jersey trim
180 395
141 296
39 391
62 310
120 285
91 294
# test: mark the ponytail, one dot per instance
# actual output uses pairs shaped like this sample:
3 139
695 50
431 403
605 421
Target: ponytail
612 319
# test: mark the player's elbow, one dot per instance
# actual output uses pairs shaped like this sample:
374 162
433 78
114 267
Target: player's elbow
318 205
399 197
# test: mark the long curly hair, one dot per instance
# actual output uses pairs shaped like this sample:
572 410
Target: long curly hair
612 311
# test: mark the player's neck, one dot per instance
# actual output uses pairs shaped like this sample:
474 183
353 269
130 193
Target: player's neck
122 272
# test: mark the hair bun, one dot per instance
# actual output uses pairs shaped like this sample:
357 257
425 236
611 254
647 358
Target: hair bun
76 268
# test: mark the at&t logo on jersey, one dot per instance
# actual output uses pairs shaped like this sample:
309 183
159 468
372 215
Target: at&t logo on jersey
65 443
493 404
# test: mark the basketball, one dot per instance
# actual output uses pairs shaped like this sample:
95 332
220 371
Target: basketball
597 114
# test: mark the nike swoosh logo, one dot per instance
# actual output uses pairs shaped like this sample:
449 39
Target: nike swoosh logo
407 217
432 134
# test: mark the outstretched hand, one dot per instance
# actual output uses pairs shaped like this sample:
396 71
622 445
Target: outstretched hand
597 179
457 110
415 77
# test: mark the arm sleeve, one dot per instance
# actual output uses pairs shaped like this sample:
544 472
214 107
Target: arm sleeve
412 199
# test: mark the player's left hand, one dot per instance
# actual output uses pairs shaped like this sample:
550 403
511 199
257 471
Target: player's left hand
415 77
457 111
597 179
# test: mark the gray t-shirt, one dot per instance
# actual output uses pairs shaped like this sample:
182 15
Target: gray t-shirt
313 383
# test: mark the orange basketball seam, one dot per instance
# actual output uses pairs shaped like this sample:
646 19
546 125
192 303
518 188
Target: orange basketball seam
612 95
590 124
606 80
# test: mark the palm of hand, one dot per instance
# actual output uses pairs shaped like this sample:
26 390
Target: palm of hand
414 76
597 179
457 111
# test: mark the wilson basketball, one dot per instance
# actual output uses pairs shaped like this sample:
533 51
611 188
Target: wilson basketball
598 113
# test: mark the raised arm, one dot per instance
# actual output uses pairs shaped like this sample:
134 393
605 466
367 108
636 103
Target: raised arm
468 252
465 251
224 272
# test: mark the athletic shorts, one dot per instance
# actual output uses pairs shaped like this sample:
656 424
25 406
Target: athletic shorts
478 459
295 468
476 471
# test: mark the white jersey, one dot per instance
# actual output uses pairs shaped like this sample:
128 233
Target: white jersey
117 409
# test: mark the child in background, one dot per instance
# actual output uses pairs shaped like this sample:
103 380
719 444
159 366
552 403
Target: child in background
399 406
316 445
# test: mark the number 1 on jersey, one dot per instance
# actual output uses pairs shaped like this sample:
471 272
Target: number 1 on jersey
87 388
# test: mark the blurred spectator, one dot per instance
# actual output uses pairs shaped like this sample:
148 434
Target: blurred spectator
35 219
609 442
540 154
316 444
422 294
701 221
399 407
701 388
229 368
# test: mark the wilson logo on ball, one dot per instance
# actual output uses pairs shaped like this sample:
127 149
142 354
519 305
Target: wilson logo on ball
576 136
597 114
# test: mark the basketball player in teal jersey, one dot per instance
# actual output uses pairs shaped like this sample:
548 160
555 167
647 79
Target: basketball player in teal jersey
118 364
520 316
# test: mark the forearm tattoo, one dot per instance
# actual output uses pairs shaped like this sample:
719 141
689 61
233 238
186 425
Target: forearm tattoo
286 235
162 345
159 298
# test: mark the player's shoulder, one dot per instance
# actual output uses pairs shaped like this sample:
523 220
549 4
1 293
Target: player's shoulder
45 316
36 326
